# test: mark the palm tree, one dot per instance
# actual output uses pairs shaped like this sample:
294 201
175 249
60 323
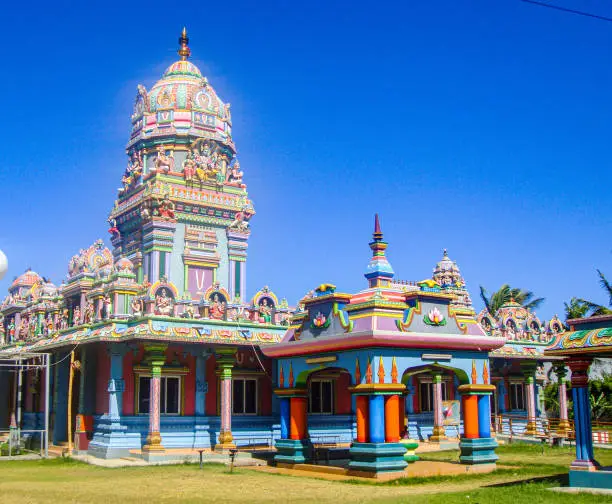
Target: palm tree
576 308
505 294
595 308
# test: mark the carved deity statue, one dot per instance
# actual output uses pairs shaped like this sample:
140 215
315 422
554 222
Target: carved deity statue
106 307
241 220
164 304
137 306
89 312
217 307
166 208
234 175
265 311
164 162
189 167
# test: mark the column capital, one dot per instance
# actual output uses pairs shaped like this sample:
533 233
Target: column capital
155 356
580 370
476 389
436 376
226 356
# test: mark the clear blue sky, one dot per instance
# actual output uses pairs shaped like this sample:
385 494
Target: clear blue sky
479 126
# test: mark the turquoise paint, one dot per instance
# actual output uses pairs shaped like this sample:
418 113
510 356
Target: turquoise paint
377 458
477 451
591 479
293 451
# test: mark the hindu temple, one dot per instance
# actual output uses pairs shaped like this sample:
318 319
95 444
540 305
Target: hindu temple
157 343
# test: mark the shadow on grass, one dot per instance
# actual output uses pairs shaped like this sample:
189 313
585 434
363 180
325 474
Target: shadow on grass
555 479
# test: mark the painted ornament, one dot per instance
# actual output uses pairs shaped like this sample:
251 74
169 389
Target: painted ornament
434 318
320 321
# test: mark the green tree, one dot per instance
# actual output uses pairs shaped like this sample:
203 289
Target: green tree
576 308
505 294
595 308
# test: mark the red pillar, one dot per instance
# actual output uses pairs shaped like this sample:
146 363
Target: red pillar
392 419
362 418
470 416
299 412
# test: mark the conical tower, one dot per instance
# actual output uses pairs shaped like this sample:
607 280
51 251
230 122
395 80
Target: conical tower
379 272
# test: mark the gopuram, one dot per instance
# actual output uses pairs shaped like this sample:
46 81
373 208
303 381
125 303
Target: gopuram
155 343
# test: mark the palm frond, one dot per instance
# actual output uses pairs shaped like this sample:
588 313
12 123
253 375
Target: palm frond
603 281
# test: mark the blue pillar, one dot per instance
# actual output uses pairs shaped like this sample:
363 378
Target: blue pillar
60 426
410 397
200 385
582 421
116 386
501 396
484 416
285 414
377 419
578 424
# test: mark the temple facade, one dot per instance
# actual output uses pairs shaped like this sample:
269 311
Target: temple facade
155 342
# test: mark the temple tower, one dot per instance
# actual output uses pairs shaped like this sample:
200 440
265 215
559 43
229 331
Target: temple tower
182 212
379 271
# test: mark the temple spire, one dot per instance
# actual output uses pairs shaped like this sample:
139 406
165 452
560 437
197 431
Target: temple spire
184 51
379 271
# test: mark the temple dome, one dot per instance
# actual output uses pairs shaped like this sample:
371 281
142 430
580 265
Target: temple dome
182 102
27 279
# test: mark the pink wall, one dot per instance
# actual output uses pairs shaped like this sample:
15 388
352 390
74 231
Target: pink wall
102 378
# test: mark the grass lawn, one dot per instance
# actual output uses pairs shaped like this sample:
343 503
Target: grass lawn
60 480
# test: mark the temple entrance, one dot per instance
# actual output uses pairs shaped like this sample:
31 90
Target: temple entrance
432 405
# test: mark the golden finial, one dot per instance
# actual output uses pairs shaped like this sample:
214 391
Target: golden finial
184 52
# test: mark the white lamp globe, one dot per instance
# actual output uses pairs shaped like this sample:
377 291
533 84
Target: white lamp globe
3 264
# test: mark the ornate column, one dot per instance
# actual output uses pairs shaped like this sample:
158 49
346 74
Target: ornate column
111 437
585 459
225 362
529 369
476 445
201 387
294 447
377 448
156 358
564 426
438 433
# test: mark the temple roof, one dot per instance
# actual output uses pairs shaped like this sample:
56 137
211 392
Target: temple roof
590 336
182 102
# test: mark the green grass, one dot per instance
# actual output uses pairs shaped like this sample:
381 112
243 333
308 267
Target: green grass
525 474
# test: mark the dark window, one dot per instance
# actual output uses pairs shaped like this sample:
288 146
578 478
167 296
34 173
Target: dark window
169 395
244 400
321 397
517 396
426 395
